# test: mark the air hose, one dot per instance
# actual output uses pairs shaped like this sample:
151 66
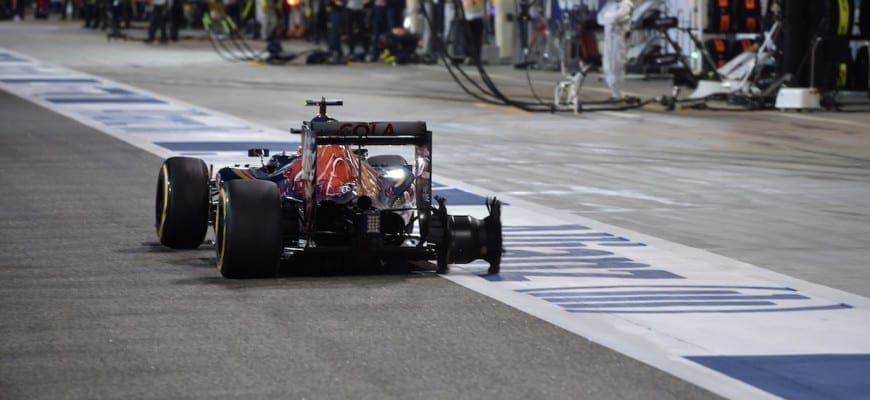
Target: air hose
490 93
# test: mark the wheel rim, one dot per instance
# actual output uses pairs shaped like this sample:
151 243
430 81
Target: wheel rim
162 201
220 236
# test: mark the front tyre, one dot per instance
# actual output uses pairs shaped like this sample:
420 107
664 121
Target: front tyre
181 206
248 229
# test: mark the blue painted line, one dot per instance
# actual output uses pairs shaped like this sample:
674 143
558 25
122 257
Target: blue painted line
799 377
562 242
654 287
227 146
104 100
523 276
20 69
578 261
458 197
549 245
603 241
550 238
6 57
550 264
565 241
535 228
831 307
168 127
48 80
171 113
568 301
117 90
520 259
521 237
670 304
633 293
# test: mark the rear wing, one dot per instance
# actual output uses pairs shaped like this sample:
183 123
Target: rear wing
371 133
351 133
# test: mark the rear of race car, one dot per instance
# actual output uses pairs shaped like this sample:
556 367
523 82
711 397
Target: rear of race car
330 199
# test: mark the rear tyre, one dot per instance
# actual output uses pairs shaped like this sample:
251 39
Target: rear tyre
248 229
181 206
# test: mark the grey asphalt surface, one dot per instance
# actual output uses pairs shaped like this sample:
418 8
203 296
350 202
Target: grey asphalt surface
787 192
92 307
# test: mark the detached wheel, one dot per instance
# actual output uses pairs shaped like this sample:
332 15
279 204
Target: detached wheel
248 229
182 203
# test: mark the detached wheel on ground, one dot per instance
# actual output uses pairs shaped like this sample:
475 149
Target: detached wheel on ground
248 229
181 211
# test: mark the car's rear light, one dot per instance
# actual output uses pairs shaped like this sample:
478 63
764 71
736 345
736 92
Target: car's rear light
373 223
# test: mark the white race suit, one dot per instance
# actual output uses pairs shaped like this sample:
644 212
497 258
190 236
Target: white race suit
615 16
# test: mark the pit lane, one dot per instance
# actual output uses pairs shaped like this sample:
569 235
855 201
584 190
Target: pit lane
517 157
93 307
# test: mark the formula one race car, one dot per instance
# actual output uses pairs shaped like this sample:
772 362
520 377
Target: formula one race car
328 198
